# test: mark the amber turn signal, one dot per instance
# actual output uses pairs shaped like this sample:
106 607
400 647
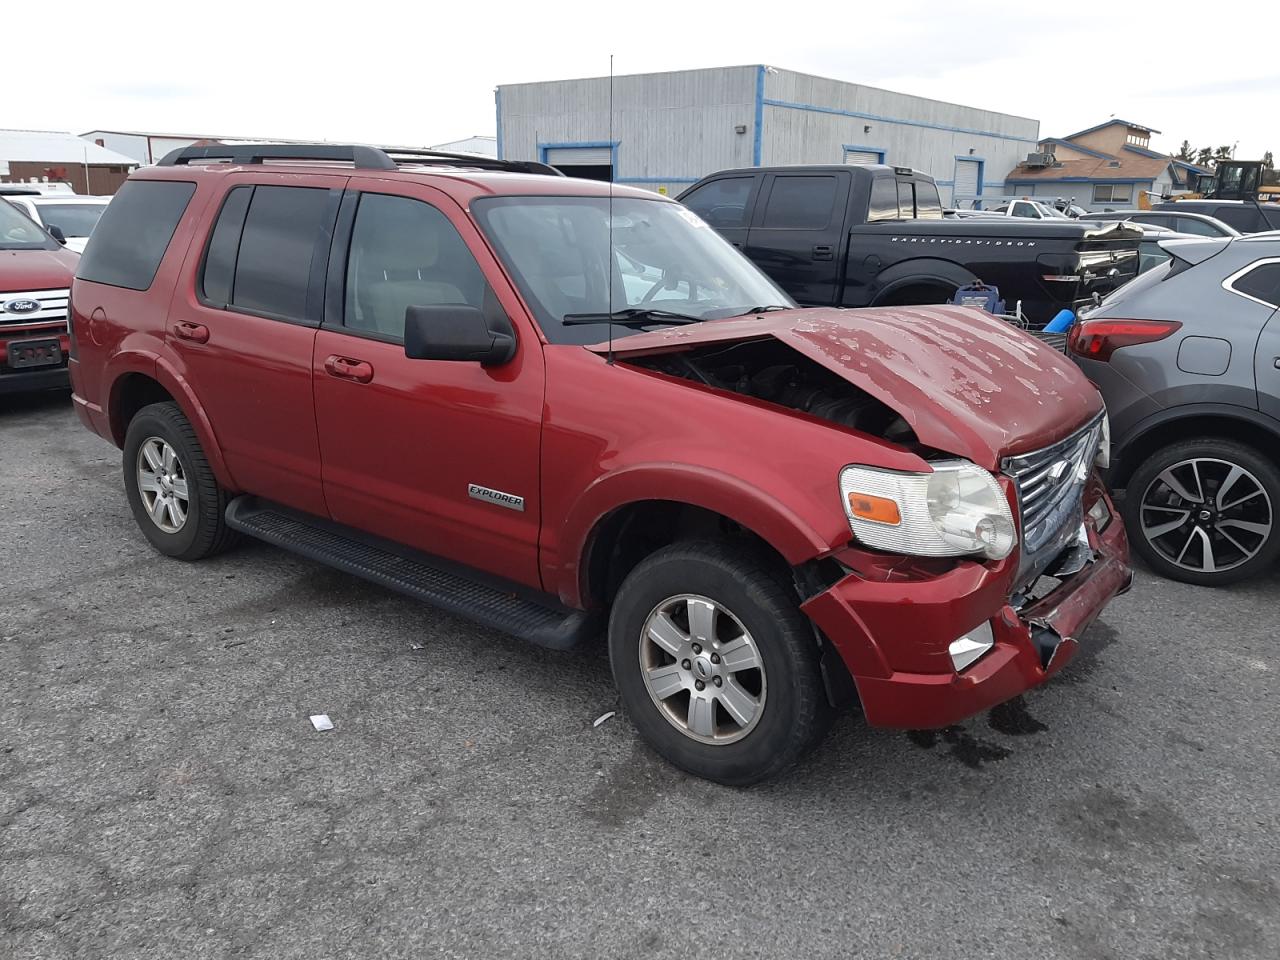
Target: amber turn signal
877 509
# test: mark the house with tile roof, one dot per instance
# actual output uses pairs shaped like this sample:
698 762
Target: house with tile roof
1110 166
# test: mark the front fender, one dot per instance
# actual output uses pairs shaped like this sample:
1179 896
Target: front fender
796 537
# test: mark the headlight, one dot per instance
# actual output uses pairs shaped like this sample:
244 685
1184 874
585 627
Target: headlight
1103 459
957 510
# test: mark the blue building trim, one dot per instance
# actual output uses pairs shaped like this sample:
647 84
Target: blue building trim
813 108
497 106
857 148
655 179
1011 180
1110 123
757 142
1075 146
582 144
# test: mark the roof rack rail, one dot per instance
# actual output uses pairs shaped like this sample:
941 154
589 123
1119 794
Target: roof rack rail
358 155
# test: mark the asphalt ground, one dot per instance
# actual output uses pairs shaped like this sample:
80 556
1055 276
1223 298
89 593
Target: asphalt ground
163 794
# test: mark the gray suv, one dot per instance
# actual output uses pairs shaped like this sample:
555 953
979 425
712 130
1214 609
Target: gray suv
1187 357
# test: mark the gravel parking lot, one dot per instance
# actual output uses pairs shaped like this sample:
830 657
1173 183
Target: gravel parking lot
162 793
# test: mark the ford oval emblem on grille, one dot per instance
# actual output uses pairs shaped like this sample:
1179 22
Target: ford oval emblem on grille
20 305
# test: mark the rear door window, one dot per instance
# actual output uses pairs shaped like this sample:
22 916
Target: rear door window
1192 225
279 245
800 202
133 234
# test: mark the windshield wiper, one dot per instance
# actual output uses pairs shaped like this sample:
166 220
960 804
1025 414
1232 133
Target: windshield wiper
632 316
768 309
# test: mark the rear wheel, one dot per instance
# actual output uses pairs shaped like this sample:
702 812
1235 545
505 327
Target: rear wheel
175 498
1204 511
716 665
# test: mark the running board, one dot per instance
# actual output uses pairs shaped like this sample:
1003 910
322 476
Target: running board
489 601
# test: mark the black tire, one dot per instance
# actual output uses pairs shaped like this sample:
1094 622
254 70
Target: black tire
1140 486
204 531
794 713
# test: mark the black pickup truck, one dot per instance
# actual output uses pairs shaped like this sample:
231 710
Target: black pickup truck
858 236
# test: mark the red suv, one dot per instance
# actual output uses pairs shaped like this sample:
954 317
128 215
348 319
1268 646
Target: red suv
561 408
35 279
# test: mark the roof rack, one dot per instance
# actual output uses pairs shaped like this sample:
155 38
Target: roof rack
358 155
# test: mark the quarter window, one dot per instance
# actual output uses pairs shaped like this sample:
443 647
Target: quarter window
1261 283
134 233
884 200
800 203
405 253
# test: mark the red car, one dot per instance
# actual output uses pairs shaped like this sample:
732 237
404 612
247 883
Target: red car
562 408
35 280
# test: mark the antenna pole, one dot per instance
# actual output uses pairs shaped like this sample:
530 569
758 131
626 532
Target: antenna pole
609 262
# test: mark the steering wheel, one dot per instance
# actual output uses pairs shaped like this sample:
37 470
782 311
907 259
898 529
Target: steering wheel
670 281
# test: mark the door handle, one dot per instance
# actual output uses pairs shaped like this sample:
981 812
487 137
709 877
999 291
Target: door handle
196 332
345 368
736 243
823 251
1277 363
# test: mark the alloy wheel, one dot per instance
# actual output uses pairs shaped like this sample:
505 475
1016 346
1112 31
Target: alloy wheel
702 669
1206 515
162 484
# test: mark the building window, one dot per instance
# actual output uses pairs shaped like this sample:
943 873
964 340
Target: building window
1112 192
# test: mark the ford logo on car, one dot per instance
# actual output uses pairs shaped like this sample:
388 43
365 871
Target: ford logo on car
20 305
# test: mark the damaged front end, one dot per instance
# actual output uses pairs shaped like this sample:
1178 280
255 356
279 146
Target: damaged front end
928 648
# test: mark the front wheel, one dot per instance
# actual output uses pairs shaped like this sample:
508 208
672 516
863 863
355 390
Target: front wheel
716 665
1203 511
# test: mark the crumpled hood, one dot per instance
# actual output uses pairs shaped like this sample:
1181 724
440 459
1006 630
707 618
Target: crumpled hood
27 270
968 383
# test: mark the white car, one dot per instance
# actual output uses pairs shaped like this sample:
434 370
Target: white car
74 216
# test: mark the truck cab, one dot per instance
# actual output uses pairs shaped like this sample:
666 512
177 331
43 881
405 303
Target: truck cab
875 235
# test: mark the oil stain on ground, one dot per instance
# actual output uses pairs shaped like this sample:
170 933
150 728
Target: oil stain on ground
1013 719
962 745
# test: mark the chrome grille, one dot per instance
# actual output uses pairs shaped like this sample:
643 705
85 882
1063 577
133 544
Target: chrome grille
1050 482
53 307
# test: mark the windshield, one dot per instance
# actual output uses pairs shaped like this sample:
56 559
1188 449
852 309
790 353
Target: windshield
73 219
663 257
19 232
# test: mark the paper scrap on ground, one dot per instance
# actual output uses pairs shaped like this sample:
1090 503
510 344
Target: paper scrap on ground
322 722
602 718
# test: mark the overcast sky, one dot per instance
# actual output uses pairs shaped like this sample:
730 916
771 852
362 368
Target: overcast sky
421 73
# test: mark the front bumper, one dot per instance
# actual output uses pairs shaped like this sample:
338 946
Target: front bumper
893 636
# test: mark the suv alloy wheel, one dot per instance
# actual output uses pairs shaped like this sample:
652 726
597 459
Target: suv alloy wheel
175 498
717 667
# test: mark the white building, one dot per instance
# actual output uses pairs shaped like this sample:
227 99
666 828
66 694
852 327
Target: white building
669 129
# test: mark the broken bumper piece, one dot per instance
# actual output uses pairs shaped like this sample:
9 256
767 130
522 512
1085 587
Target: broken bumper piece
932 652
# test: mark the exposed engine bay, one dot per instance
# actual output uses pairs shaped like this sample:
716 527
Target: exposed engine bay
774 372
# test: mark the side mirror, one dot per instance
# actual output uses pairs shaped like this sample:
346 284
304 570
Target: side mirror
55 231
457 332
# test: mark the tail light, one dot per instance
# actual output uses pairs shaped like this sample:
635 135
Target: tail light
1099 339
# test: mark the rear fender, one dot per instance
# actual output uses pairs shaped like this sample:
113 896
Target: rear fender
125 363
921 271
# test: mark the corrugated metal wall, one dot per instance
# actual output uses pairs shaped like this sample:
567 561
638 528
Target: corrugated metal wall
673 128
